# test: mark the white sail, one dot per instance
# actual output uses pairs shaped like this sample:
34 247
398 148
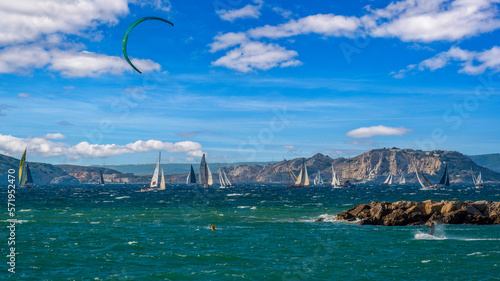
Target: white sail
299 178
222 182
402 180
154 180
162 184
203 171
305 181
335 179
388 180
225 178
209 180
479 179
318 180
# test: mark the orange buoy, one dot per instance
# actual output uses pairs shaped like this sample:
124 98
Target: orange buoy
213 227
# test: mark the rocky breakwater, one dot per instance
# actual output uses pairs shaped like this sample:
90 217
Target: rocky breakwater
419 213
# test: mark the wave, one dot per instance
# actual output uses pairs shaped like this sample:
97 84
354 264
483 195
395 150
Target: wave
426 236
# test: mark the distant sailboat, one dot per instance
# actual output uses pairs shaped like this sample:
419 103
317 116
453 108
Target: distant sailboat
388 180
318 180
445 179
25 178
162 183
205 174
348 183
101 180
155 178
226 180
478 182
402 179
303 178
427 185
335 180
191 179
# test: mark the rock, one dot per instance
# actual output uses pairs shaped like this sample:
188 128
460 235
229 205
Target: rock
481 206
345 216
432 208
397 217
471 211
456 217
320 220
452 206
418 213
361 211
379 209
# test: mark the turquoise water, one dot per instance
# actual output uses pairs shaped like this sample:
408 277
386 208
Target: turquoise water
116 232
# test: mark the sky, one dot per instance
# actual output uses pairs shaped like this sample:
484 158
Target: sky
246 80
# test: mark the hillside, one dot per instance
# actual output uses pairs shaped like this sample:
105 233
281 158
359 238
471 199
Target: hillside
373 166
492 161
170 168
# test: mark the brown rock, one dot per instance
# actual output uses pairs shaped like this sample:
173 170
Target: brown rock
481 206
397 217
456 217
379 210
452 206
359 208
432 208
346 216
471 210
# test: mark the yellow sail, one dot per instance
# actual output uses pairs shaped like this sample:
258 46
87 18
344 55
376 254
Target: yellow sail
21 165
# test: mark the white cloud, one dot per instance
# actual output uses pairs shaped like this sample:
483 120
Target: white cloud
162 5
88 64
471 62
226 40
45 147
27 20
249 11
68 63
428 21
23 95
256 55
282 12
408 20
290 148
56 136
369 132
324 24
22 59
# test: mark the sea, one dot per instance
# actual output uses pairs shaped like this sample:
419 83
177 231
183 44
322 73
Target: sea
262 232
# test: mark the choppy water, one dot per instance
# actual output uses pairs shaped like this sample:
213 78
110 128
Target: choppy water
115 232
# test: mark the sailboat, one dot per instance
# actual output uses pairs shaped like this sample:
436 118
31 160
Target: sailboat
25 178
335 180
426 185
388 180
478 182
303 178
348 183
191 178
445 179
318 180
226 180
101 180
205 174
402 179
154 180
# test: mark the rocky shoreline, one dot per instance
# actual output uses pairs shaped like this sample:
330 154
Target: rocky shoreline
421 213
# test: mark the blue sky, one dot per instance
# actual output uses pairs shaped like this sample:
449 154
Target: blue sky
247 80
